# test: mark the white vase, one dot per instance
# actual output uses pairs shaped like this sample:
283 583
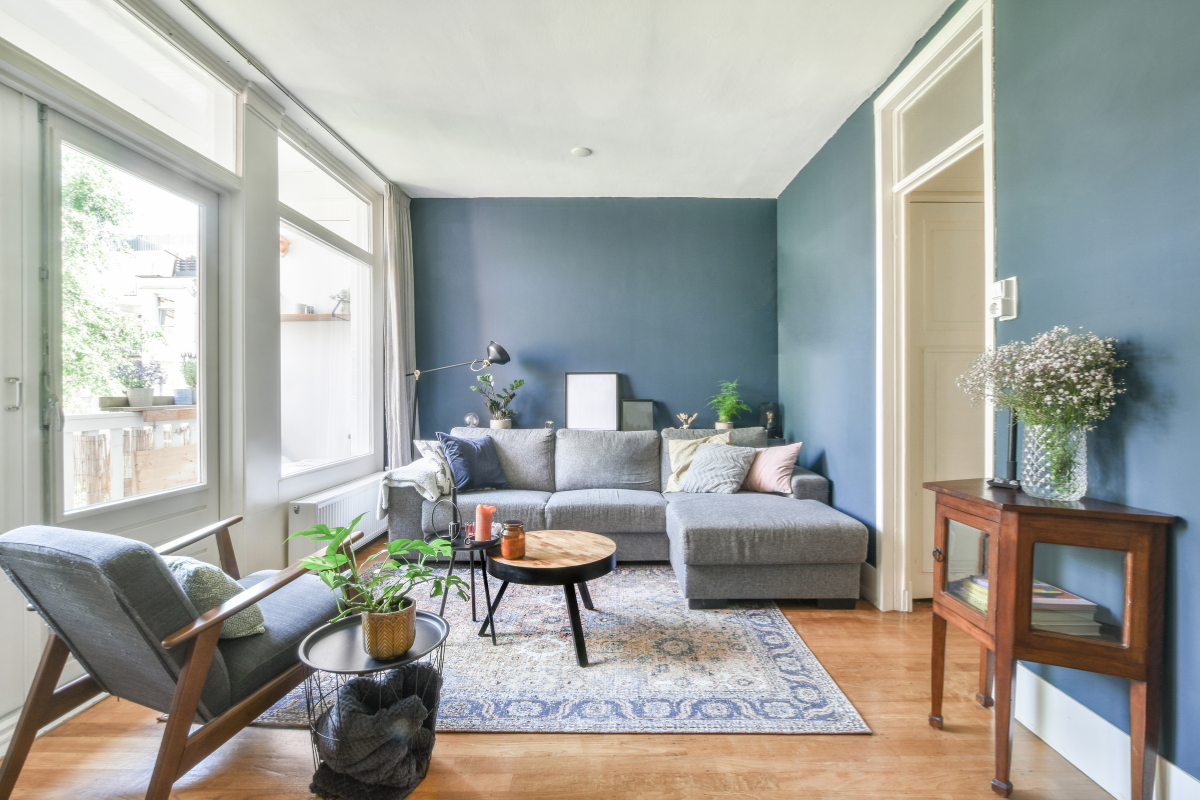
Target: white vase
724 426
502 423
140 398
1054 462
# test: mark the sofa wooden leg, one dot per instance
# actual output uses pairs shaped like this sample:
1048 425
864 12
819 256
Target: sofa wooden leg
836 603
697 604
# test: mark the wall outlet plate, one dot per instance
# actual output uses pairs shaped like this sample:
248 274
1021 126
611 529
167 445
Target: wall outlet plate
1002 300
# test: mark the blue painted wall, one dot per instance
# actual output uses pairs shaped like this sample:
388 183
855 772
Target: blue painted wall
673 293
826 230
1098 214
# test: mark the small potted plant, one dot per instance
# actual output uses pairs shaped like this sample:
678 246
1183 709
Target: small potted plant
189 366
343 304
139 381
728 404
497 401
382 595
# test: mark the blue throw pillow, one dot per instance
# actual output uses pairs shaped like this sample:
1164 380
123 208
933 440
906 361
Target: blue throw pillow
474 462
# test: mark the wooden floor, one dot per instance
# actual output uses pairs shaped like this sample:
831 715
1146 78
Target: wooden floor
881 661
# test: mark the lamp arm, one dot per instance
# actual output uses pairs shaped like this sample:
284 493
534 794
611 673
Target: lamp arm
417 373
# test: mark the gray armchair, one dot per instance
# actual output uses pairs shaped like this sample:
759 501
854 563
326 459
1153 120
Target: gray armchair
113 604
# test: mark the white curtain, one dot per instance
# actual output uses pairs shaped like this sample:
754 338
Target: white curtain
399 339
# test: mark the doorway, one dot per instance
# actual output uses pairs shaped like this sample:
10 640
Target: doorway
935 260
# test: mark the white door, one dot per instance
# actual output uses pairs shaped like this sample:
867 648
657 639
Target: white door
944 435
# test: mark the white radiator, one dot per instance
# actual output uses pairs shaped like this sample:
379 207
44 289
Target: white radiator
335 507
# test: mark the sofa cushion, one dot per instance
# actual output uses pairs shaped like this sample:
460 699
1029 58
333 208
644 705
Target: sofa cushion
772 469
529 507
682 452
742 437
474 462
607 511
291 613
753 528
526 454
606 460
718 469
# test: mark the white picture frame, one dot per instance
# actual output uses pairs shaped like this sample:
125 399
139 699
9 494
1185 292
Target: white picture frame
593 401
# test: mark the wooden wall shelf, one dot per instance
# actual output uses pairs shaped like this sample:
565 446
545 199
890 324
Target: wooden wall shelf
312 318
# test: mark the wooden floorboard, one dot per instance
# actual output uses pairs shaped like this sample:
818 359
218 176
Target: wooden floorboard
881 662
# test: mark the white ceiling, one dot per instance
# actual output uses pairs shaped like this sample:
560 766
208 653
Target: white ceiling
678 98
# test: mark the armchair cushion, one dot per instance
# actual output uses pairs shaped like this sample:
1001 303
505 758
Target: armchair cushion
208 587
290 613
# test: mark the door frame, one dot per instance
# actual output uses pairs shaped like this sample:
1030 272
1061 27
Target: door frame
887 584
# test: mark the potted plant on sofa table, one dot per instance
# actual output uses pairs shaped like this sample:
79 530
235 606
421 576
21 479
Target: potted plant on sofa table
728 404
497 400
382 595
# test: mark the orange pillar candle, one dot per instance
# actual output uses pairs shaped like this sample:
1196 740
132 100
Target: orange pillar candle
483 522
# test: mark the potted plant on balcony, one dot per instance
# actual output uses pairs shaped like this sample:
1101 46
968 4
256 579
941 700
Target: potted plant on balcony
380 588
497 401
728 404
189 366
139 381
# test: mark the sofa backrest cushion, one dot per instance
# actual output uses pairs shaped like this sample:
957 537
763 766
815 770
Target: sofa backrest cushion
606 460
742 437
526 455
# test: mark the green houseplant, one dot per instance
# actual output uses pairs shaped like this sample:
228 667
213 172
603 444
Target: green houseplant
189 367
497 400
728 404
383 595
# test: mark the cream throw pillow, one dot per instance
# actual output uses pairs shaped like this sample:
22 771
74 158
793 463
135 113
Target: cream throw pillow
683 451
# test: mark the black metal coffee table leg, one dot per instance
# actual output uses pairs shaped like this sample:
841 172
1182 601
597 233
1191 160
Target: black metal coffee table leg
472 554
576 624
587 596
491 607
446 594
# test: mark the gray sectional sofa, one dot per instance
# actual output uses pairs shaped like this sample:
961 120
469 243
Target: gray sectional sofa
722 546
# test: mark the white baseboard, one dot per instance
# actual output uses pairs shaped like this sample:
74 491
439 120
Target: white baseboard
8 723
867 585
1093 744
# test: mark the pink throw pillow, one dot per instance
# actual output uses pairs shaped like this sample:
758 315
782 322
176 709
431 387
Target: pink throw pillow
772 469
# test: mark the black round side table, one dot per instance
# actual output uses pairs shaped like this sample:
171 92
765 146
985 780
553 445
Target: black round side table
335 656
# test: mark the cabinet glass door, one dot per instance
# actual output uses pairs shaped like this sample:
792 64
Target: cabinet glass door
966 572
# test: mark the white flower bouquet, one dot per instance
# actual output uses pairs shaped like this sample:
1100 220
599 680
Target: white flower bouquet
1060 383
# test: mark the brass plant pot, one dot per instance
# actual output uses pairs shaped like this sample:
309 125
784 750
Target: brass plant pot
390 635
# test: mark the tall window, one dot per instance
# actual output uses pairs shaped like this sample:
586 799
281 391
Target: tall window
104 47
130 334
325 344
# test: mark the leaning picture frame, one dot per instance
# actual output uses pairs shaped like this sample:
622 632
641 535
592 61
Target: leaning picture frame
592 401
637 415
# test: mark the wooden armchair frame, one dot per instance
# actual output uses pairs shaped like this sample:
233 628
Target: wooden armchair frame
180 749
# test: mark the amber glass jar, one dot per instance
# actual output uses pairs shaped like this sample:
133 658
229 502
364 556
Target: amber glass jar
512 542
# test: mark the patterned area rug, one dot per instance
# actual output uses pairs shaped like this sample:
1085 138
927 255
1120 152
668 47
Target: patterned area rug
656 667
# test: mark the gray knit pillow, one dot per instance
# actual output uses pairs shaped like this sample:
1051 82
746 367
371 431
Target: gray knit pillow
207 587
718 469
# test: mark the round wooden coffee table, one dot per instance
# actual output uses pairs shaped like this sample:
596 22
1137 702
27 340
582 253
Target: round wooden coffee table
555 558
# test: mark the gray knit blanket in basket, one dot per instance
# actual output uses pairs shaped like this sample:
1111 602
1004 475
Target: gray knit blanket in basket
375 742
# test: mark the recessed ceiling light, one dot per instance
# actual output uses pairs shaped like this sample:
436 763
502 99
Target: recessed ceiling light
581 152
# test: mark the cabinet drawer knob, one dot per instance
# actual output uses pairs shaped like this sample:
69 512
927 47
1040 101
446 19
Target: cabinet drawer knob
937 554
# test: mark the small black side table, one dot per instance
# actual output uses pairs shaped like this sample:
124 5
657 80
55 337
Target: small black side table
471 547
334 655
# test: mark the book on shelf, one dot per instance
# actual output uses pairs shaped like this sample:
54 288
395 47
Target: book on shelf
1053 609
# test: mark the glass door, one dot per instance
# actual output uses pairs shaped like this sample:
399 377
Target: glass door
964 565
131 344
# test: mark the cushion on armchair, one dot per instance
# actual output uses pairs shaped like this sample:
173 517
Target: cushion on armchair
208 587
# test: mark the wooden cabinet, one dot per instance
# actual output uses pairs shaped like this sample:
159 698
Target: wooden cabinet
985 544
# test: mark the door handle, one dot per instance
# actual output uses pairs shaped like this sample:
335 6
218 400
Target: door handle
937 554
20 394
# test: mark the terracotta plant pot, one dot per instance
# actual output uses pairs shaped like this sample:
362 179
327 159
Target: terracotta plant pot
502 423
724 426
388 636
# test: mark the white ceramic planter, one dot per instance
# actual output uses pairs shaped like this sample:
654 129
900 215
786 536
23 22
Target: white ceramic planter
724 426
502 423
140 398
